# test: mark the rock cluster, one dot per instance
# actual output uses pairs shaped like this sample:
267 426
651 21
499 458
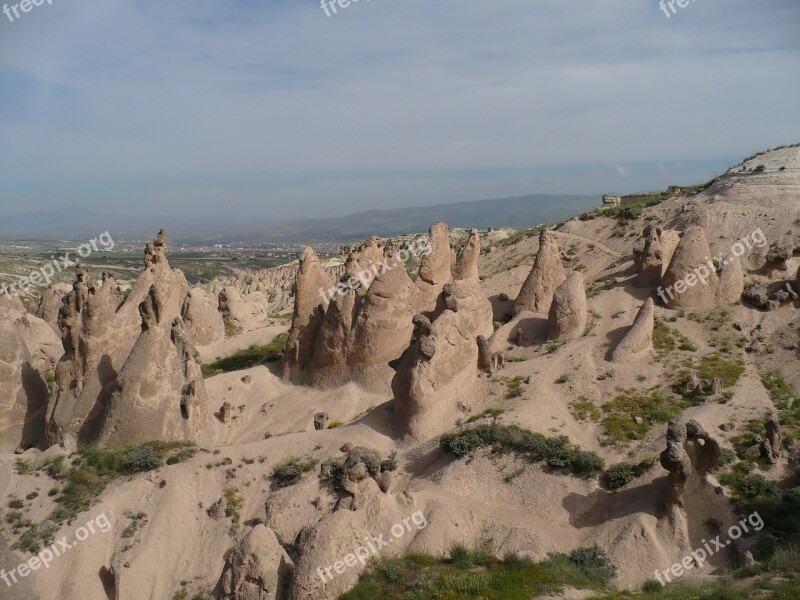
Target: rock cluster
350 330
692 280
348 474
130 371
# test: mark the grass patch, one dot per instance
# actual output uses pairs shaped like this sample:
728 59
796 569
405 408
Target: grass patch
727 368
96 466
651 406
786 401
557 452
248 357
478 574
514 387
584 409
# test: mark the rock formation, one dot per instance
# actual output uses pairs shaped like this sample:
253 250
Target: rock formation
23 392
50 303
441 357
693 281
241 313
99 329
257 568
545 277
638 340
466 266
348 475
568 312
367 323
435 269
770 448
706 452
160 393
649 263
202 319
676 460
311 301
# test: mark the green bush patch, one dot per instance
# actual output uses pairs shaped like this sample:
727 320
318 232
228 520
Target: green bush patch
249 357
557 452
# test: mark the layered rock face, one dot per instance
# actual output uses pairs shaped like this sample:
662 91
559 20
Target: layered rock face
257 568
202 319
547 274
568 312
638 341
160 394
441 359
691 279
23 392
99 331
309 312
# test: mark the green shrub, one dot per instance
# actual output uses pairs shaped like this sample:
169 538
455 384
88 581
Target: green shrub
594 562
249 357
291 470
620 474
557 452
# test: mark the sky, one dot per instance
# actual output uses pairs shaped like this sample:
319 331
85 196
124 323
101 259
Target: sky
273 110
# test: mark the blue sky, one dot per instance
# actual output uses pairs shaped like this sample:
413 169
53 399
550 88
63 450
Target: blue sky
270 108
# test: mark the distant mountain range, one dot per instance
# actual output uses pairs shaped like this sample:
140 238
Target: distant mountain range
519 212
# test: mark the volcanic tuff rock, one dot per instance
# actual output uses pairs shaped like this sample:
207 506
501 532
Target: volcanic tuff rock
309 312
23 392
545 277
203 321
99 329
676 460
439 364
568 312
649 263
257 568
160 393
466 265
638 340
50 303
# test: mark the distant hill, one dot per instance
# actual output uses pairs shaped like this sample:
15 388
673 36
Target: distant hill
519 212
